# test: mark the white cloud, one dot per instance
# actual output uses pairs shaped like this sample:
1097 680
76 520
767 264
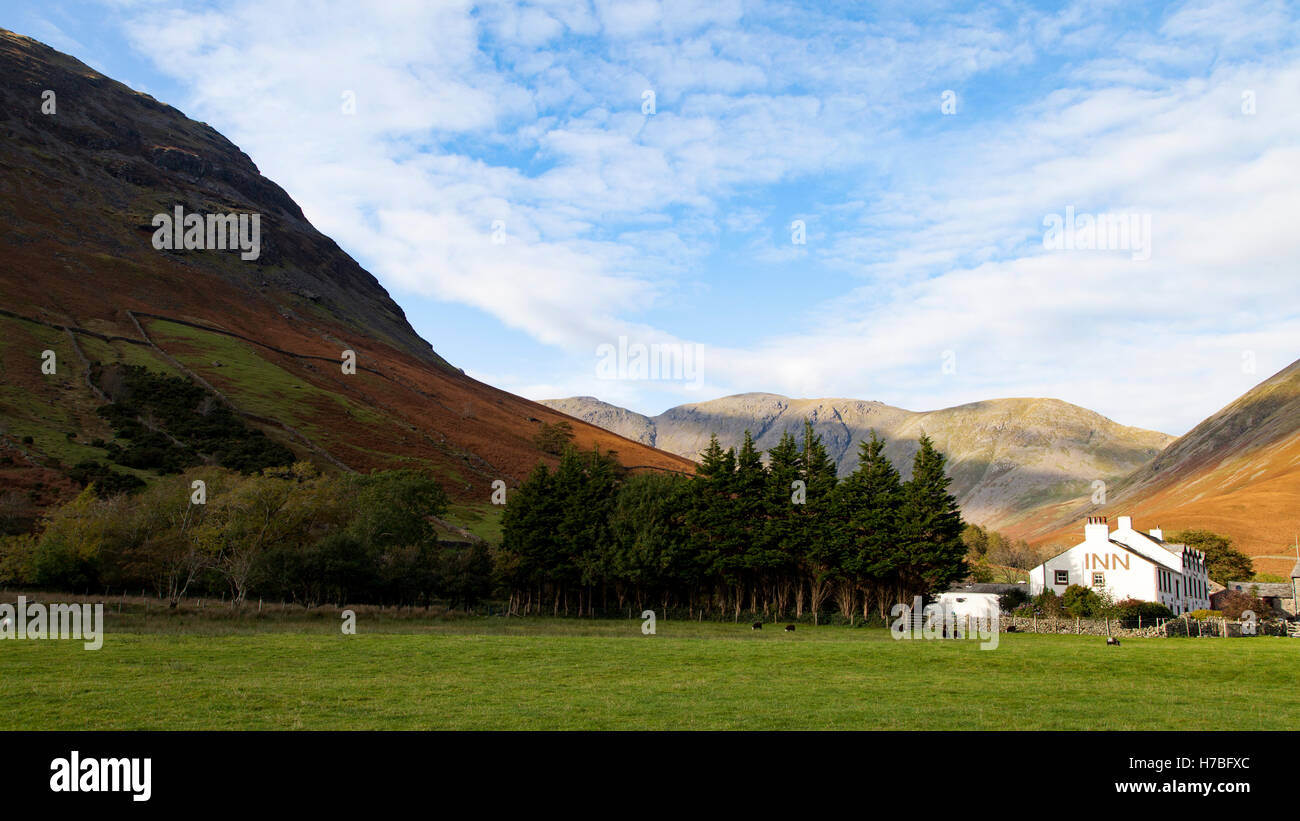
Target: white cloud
531 114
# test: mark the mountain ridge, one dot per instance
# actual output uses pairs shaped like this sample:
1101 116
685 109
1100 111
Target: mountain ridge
1002 452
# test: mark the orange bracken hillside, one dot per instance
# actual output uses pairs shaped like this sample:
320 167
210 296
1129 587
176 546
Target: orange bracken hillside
1236 473
80 276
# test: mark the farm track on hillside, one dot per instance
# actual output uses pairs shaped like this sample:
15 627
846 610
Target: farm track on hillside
297 434
485 469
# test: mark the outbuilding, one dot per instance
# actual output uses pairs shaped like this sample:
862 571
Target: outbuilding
978 600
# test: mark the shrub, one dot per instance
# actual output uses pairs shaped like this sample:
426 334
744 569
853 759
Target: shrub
1131 612
980 572
1082 602
67 556
1013 600
1234 602
105 481
553 438
58 564
1048 604
16 559
17 513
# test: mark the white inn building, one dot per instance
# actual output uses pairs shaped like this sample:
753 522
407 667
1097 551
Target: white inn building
1128 564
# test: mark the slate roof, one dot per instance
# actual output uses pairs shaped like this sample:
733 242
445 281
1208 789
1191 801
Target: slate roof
981 587
1169 563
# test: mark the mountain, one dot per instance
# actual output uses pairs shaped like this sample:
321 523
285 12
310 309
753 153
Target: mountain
1006 457
84 174
1236 473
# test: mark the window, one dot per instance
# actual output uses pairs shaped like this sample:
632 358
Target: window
1098 579
1062 577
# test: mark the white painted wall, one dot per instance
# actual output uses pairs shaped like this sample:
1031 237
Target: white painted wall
1126 563
976 605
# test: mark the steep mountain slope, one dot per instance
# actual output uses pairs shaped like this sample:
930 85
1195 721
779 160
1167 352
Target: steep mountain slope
80 186
94 172
1007 457
1237 473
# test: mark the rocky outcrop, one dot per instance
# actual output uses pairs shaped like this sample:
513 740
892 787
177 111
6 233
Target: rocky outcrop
625 423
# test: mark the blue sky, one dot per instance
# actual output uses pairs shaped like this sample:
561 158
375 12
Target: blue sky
924 280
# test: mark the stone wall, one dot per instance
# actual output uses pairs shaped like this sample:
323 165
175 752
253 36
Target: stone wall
1083 627
1164 628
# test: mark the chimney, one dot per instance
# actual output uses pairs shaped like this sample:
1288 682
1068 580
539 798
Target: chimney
1158 533
1096 530
1125 523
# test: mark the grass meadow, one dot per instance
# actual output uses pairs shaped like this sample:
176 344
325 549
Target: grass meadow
410 671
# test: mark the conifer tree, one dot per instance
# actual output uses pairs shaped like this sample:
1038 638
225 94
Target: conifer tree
867 509
708 511
587 521
930 549
819 548
781 540
745 527
647 553
528 528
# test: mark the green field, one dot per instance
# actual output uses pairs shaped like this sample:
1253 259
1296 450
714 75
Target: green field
493 673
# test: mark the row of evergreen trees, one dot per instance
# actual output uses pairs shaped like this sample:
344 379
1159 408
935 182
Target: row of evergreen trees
779 539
